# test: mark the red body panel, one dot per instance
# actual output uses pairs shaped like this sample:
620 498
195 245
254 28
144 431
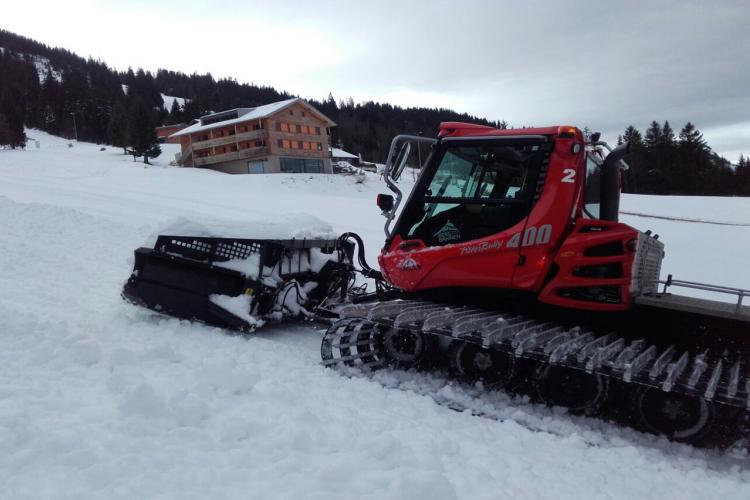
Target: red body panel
541 254
577 252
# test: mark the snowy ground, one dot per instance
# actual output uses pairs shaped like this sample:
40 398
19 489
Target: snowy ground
99 399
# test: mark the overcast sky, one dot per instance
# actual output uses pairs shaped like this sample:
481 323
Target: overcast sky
604 65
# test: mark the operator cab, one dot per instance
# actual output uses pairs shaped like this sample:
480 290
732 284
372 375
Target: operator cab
474 188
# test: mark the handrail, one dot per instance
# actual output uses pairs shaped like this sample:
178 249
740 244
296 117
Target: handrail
740 292
390 160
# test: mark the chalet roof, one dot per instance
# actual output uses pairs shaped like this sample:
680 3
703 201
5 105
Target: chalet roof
173 125
246 114
340 153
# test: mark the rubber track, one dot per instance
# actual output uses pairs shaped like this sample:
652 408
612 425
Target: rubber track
354 340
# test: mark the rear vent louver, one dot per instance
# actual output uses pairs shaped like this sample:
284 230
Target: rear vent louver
603 294
609 249
601 271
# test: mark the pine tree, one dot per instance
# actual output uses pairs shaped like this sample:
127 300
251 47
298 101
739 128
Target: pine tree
15 135
175 114
655 176
667 134
51 107
653 135
117 128
142 130
693 168
633 136
4 131
742 177
691 137
633 177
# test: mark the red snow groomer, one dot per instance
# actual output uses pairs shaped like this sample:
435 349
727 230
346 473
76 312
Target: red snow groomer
507 266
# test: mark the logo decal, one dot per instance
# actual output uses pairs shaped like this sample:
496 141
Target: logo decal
449 232
485 246
408 264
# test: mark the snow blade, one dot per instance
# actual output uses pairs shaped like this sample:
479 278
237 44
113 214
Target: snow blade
237 283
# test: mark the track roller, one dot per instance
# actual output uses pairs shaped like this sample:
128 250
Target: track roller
474 363
576 390
405 348
680 417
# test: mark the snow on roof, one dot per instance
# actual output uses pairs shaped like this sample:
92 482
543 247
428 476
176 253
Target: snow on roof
245 114
340 153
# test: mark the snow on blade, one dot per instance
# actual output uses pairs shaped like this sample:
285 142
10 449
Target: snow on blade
274 226
239 306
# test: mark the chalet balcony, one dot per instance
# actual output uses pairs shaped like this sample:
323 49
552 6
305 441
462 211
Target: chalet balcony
231 156
253 135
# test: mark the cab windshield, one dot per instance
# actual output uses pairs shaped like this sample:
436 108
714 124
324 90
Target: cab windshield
475 190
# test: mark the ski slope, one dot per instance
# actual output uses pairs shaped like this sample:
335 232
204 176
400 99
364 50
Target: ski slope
99 399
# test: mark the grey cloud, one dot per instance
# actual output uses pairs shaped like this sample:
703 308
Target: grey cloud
597 63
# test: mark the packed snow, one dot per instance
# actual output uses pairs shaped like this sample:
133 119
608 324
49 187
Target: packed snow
169 100
101 399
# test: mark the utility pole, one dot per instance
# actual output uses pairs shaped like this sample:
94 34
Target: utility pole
75 127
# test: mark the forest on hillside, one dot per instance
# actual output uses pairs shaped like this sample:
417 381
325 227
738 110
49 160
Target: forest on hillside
59 92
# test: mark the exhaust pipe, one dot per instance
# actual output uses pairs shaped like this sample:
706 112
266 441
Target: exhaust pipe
610 183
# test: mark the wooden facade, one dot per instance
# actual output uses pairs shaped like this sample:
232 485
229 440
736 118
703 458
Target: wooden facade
293 138
164 132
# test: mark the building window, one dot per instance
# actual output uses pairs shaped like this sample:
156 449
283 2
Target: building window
299 129
314 166
303 113
317 130
301 165
291 112
291 165
319 146
300 145
280 143
257 167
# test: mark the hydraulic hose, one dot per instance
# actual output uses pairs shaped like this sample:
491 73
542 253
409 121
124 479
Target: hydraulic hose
366 271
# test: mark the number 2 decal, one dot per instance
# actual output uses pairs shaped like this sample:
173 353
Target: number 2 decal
569 175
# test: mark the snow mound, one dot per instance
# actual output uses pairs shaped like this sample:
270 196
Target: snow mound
281 226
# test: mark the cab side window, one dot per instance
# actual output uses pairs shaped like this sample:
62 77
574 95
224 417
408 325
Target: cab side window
592 193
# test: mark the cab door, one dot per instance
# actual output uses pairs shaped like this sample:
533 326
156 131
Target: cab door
457 228
552 215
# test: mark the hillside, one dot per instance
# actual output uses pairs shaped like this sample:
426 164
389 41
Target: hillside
67 83
61 93
111 401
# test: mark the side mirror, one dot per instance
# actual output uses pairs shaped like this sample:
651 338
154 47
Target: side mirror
400 163
385 202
